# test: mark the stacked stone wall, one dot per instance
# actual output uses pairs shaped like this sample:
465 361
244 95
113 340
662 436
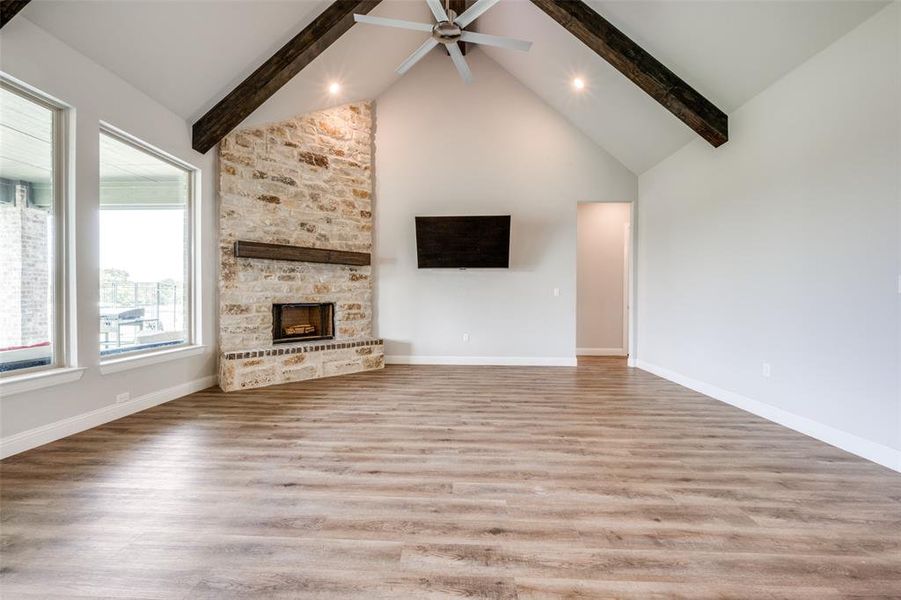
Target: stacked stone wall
306 181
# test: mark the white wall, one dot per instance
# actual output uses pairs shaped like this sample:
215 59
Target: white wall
601 278
33 56
443 148
783 247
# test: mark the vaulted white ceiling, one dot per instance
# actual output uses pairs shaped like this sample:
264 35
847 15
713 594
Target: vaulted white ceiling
180 53
728 50
187 54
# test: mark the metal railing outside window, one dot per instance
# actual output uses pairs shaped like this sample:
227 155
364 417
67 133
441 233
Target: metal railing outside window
136 314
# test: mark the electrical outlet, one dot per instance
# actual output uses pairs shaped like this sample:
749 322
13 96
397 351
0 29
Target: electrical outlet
465 337
123 397
556 291
767 370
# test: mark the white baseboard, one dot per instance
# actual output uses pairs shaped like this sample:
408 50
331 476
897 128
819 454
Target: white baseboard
504 361
872 451
600 352
51 432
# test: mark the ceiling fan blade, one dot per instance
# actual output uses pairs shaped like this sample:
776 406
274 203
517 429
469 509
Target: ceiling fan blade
474 12
495 40
437 10
416 56
459 62
392 23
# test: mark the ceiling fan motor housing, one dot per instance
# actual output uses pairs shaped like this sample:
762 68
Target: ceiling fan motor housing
447 32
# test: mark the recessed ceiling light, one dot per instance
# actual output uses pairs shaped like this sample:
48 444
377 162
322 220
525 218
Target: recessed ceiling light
578 84
334 88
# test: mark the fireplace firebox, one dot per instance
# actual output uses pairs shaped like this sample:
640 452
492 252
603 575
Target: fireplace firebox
298 322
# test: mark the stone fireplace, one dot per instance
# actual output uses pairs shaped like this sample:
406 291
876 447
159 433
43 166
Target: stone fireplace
303 321
304 187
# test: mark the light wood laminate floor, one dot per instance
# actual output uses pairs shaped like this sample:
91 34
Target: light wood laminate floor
449 482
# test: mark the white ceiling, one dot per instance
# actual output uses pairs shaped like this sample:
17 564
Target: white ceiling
181 53
187 54
26 139
363 60
727 50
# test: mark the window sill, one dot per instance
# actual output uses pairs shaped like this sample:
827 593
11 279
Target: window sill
142 360
42 379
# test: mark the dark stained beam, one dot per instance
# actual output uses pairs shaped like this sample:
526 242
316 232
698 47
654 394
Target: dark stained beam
9 9
644 70
300 253
277 71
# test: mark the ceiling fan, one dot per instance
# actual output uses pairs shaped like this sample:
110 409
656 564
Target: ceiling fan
449 30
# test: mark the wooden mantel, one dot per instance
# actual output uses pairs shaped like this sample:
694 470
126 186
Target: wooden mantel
300 254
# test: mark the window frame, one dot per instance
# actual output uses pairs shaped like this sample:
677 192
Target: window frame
112 363
62 343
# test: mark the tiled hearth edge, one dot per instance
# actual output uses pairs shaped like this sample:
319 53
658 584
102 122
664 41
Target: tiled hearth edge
299 349
262 367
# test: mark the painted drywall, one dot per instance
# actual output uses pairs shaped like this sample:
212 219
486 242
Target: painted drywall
782 247
600 278
33 56
491 148
362 62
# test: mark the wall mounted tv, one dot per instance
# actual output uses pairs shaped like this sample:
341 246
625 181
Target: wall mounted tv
463 242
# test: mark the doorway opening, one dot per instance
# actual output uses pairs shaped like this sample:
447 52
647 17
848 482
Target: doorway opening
604 232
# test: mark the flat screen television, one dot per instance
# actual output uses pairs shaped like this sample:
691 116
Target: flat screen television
463 242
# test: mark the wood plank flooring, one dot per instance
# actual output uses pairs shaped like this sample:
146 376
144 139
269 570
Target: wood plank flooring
449 482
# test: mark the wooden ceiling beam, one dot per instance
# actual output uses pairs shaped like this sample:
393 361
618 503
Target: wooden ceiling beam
9 9
277 71
638 65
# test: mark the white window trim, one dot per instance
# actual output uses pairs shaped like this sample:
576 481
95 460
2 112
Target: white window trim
63 345
36 380
136 361
194 344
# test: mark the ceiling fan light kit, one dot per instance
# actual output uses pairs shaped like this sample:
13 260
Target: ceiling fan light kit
448 30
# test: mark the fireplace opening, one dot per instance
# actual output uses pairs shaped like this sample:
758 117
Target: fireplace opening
302 321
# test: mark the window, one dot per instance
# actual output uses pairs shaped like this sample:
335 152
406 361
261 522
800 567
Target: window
145 248
31 233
